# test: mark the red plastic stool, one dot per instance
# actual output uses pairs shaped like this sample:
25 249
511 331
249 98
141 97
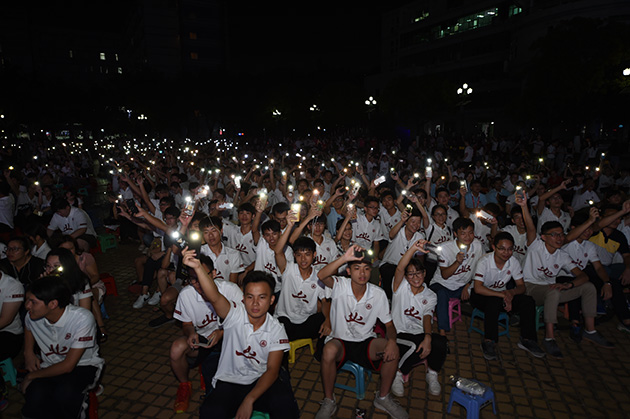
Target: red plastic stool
110 284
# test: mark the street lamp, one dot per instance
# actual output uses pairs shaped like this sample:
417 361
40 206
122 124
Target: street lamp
314 108
464 90
276 113
626 72
370 101
142 117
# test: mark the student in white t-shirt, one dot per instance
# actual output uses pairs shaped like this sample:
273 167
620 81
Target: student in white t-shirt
491 295
438 232
243 237
325 247
69 363
73 221
554 212
249 376
227 261
202 336
413 304
545 259
457 260
265 254
302 292
11 330
355 308
523 230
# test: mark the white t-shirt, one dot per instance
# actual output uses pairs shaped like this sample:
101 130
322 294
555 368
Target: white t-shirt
464 272
353 320
366 232
76 328
542 267
11 291
494 278
482 231
298 298
437 235
408 310
580 200
191 307
520 242
388 221
451 214
227 262
325 253
76 220
83 294
266 261
42 252
7 208
244 243
547 215
581 254
245 352
399 246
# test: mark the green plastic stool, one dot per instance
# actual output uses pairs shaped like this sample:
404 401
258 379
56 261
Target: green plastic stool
259 415
9 372
107 241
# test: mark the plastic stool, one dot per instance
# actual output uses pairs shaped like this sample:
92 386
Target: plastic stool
110 284
9 372
359 378
473 404
297 344
454 311
504 321
107 241
539 311
104 311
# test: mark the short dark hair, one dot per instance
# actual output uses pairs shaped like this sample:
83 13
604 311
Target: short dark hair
172 211
503 235
550 225
416 263
304 243
320 220
206 260
51 288
24 241
280 207
162 187
462 223
272 225
369 199
438 206
211 222
59 203
247 207
493 208
259 276
388 192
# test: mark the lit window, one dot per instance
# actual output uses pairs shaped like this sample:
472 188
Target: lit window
102 55
116 57
194 56
192 35
119 70
70 54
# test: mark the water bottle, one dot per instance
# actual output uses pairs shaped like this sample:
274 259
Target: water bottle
468 386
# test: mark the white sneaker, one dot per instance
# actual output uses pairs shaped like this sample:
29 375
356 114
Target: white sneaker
155 299
432 380
398 386
141 301
328 408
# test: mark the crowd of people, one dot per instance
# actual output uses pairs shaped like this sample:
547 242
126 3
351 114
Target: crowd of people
359 244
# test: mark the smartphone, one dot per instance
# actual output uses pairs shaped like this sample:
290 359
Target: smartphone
131 204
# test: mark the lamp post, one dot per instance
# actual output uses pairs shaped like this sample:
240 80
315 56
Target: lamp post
463 93
371 105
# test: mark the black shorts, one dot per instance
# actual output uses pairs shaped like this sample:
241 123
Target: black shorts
359 353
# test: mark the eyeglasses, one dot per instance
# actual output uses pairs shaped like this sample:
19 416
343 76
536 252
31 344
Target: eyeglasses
554 235
15 249
415 273
505 249
371 207
440 214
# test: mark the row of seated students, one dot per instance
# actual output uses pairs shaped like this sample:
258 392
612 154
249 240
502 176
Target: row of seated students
459 260
50 300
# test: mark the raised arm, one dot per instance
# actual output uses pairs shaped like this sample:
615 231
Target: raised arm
281 259
314 212
219 302
543 198
325 274
577 231
399 274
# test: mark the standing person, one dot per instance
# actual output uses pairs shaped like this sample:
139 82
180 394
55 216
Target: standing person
413 304
491 296
456 265
69 363
249 376
355 308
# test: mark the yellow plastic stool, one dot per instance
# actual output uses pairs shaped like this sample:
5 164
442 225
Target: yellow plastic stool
296 344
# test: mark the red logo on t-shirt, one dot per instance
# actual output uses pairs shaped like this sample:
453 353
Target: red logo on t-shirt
263 343
368 306
248 353
412 312
68 336
300 296
355 318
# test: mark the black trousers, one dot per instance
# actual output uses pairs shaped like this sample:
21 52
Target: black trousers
279 401
522 305
60 396
387 271
409 358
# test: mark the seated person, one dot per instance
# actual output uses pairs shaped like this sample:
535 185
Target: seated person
325 247
227 261
297 306
413 304
249 376
457 261
265 252
20 263
545 258
491 296
11 330
355 308
73 221
69 363
202 335
37 234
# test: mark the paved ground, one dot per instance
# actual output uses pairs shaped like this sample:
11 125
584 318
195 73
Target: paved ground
588 382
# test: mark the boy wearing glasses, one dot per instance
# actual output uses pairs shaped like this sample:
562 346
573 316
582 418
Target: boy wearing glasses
491 296
545 258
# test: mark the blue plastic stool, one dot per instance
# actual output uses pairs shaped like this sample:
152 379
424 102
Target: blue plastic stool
103 311
9 372
473 404
539 311
359 379
504 321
